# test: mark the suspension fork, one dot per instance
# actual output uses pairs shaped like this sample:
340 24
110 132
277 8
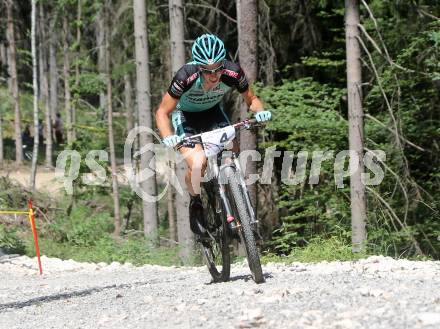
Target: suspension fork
222 190
229 214
247 198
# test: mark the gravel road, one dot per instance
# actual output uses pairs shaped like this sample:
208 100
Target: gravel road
377 292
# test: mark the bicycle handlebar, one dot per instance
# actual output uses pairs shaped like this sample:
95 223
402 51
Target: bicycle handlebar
191 141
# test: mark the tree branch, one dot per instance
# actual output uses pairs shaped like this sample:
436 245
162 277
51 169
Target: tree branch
221 12
376 46
402 225
394 132
199 24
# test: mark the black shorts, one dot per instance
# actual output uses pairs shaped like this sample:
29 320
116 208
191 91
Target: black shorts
192 123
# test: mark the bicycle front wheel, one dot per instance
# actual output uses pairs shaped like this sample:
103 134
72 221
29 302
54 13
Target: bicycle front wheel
245 229
215 246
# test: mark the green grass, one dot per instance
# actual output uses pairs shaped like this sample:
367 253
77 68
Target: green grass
137 251
318 250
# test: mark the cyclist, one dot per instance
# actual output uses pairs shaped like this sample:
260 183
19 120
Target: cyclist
193 102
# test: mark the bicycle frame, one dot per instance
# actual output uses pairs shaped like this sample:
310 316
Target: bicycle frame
222 180
214 164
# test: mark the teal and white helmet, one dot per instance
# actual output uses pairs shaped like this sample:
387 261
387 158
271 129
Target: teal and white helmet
208 49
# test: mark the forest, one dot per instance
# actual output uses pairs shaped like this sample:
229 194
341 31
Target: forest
76 81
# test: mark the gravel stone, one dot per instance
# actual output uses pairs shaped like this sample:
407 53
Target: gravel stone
377 292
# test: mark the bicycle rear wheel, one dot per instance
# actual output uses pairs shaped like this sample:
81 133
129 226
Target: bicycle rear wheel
215 246
245 230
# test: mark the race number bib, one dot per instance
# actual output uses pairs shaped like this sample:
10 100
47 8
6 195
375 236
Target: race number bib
215 141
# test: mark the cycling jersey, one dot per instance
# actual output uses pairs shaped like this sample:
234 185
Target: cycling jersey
191 123
187 86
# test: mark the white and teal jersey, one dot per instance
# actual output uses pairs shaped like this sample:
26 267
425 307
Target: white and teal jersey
187 86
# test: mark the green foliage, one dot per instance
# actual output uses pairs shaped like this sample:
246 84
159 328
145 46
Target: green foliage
10 242
86 235
89 83
306 117
12 196
318 250
309 108
322 62
413 93
123 69
332 249
301 109
81 228
410 190
137 251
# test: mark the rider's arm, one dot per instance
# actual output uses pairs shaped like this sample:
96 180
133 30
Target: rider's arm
254 103
163 113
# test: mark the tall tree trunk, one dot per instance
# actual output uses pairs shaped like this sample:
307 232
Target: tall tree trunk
53 71
128 93
66 72
3 56
35 86
111 139
13 82
3 64
247 13
356 125
145 117
1 140
128 100
77 70
177 48
44 85
99 32
172 211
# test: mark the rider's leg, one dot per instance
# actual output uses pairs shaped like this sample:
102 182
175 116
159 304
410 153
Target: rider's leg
196 161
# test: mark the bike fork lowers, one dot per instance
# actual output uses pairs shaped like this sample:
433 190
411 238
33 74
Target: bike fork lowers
229 214
247 198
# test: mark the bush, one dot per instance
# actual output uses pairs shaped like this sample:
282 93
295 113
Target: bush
307 117
318 250
137 251
10 242
81 228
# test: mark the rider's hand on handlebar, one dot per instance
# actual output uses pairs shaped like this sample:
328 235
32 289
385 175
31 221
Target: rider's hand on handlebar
172 140
263 116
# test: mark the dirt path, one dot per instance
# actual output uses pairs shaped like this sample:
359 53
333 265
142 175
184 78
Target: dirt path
45 179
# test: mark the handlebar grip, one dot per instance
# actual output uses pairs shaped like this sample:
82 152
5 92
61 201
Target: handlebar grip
185 143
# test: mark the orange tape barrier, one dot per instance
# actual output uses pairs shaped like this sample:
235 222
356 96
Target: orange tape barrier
31 216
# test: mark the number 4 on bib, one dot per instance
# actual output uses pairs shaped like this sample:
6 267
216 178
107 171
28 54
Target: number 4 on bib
224 138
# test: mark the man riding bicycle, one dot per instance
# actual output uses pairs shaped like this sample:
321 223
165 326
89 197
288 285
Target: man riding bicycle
193 101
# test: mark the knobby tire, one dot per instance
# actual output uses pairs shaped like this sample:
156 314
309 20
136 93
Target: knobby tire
246 231
213 248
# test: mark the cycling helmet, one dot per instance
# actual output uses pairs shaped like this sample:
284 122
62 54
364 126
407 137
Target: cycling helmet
208 49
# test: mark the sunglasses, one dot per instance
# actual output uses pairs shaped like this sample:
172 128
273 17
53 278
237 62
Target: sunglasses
213 71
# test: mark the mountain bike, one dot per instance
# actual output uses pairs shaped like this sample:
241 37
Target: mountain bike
227 206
